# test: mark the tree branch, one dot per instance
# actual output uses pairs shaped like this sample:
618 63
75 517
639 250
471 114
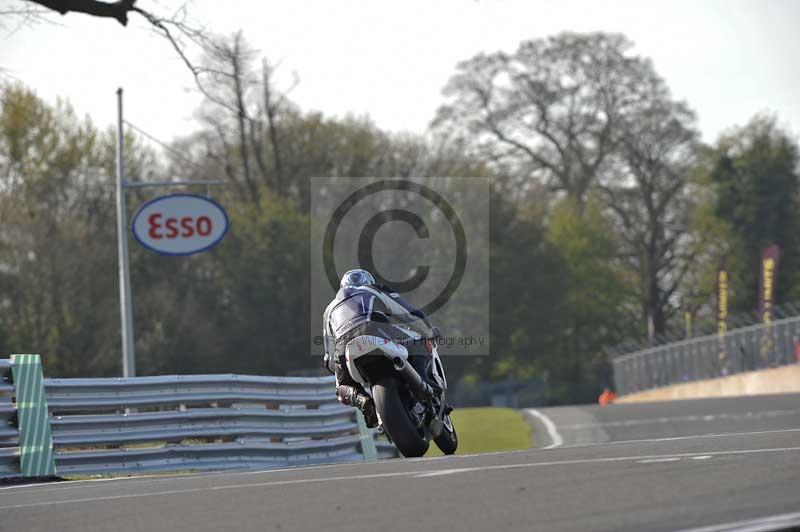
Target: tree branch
117 10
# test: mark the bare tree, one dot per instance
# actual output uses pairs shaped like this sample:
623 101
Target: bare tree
272 104
651 198
226 79
245 107
23 13
550 109
244 104
175 26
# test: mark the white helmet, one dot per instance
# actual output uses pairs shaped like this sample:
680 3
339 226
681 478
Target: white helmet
356 277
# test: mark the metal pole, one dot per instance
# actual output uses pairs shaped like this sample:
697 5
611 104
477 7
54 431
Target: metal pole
126 314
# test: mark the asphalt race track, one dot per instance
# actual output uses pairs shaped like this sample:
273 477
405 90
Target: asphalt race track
690 464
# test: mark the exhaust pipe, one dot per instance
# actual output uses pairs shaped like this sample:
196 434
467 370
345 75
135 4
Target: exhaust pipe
419 387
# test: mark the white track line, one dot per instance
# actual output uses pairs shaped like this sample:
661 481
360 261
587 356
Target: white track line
555 438
763 524
67 484
319 480
749 416
442 472
692 437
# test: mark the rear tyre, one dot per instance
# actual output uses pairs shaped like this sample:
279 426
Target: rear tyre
397 421
447 441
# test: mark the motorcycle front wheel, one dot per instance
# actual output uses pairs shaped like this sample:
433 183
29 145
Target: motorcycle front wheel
411 440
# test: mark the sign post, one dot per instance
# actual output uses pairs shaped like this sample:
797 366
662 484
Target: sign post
766 300
126 313
125 302
722 316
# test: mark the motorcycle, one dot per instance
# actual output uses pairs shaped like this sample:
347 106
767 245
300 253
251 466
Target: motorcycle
410 411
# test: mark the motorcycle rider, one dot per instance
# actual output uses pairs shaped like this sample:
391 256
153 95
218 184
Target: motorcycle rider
363 307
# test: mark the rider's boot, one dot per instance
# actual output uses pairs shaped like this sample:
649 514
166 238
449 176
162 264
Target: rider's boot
367 406
350 395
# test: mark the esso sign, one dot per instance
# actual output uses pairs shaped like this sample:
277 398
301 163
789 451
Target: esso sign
179 224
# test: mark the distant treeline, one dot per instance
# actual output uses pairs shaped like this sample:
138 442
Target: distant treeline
609 216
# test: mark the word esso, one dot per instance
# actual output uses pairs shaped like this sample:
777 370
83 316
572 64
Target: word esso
179 224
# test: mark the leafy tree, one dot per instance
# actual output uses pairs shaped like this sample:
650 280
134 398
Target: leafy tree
52 196
755 178
258 303
596 294
713 237
525 298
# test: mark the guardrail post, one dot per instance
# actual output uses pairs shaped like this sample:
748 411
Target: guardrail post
35 439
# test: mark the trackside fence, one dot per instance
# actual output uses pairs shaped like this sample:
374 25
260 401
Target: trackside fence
192 422
706 357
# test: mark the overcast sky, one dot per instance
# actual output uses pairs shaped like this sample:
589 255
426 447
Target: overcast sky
728 58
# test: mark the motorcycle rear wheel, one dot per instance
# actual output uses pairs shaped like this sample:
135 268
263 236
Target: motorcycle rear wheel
397 421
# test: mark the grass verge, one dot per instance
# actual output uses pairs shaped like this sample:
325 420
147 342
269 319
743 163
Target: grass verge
483 430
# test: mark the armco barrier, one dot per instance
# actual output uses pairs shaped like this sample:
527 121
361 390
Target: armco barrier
200 422
9 434
26 447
